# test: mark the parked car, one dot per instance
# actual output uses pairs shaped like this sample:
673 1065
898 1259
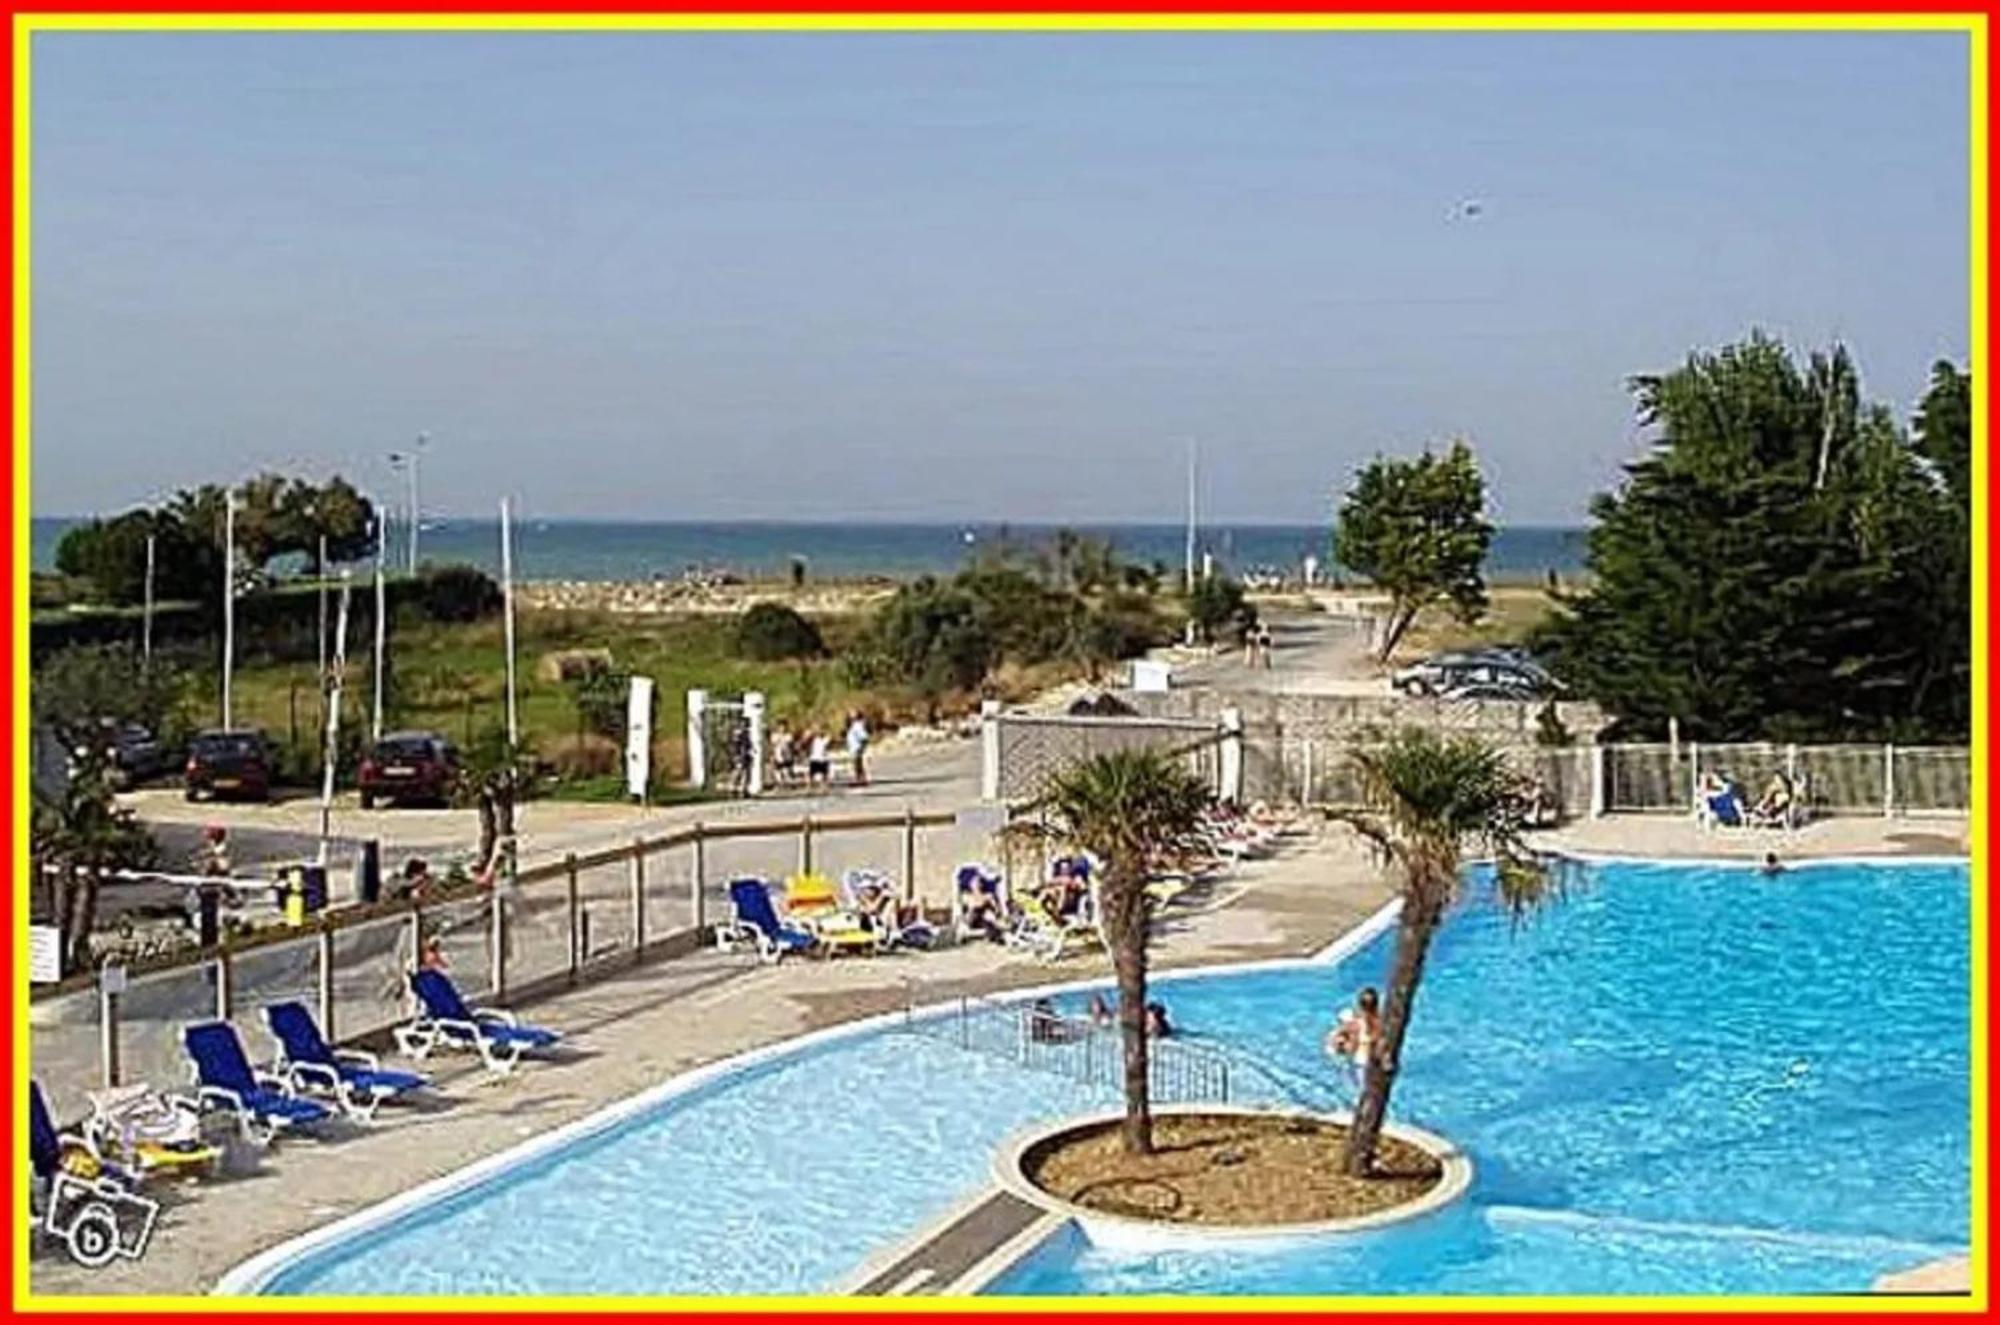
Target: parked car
409 766
132 753
1497 673
234 763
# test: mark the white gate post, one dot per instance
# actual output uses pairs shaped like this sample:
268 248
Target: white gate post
1231 772
989 749
1596 781
697 755
753 714
1694 776
1889 781
1306 781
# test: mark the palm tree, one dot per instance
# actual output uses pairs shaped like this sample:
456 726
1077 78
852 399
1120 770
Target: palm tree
1127 808
1428 798
85 834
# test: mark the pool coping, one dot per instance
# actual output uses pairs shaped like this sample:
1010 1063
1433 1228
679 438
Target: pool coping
1125 1232
250 1277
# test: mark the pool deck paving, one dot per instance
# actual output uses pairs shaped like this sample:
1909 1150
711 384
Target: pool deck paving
643 1025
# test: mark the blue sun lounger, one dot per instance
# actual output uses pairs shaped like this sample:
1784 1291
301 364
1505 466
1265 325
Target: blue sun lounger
263 1103
757 924
354 1080
447 1022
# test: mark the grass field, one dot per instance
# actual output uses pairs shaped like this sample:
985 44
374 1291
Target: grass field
452 679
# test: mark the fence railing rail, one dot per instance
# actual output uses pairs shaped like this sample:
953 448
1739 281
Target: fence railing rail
1076 1048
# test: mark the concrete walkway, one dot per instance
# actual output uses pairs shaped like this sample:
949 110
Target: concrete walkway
640 1027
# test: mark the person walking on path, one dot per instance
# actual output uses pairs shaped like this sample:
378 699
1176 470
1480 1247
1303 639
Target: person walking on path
857 747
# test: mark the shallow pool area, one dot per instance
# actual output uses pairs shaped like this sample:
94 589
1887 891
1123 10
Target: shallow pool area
1677 1079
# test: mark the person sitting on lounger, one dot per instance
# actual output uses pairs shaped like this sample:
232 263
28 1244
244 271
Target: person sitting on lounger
982 914
1776 801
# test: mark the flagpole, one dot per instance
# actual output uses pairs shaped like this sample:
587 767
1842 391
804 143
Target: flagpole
228 601
507 602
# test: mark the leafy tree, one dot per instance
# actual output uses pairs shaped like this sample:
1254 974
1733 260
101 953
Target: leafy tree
77 689
1417 529
275 516
1943 431
930 637
1781 565
1427 798
1127 808
773 632
85 835
1217 606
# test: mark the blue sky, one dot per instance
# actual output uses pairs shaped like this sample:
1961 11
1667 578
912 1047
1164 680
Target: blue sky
965 276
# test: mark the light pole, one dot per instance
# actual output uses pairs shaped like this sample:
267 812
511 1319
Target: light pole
413 460
146 630
381 627
507 592
228 599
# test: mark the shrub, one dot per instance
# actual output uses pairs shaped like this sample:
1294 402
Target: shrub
587 756
773 632
601 703
457 593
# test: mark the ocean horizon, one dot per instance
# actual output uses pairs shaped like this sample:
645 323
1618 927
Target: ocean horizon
644 550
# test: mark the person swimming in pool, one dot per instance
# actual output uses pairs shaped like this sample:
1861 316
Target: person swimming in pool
1772 866
1354 1035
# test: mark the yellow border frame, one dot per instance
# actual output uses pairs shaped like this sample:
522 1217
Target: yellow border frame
1975 26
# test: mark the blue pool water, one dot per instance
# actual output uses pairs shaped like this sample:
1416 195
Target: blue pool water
1678 1079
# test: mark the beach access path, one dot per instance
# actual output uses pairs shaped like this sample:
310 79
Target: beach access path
643 1026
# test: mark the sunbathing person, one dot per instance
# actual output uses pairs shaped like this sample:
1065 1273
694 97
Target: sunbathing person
1775 802
982 915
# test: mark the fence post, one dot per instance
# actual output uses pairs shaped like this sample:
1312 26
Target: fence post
697 880
806 845
697 754
1694 774
989 749
107 1036
575 911
1306 779
909 853
326 983
753 715
497 932
222 999
638 899
1889 781
1230 772
416 956
1597 782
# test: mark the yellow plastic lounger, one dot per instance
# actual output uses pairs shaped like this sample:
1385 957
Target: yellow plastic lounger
813 901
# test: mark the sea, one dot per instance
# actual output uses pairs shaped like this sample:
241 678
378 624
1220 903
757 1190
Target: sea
653 550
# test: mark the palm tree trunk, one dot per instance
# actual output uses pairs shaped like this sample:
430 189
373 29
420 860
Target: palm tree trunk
82 918
1422 909
1125 926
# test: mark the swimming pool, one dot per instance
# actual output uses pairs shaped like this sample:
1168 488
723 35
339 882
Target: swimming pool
1679 1079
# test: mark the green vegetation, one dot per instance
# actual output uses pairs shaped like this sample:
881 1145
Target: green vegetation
1070 607
275 516
1417 529
1786 564
1428 800
772 632
1217 608
83 835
